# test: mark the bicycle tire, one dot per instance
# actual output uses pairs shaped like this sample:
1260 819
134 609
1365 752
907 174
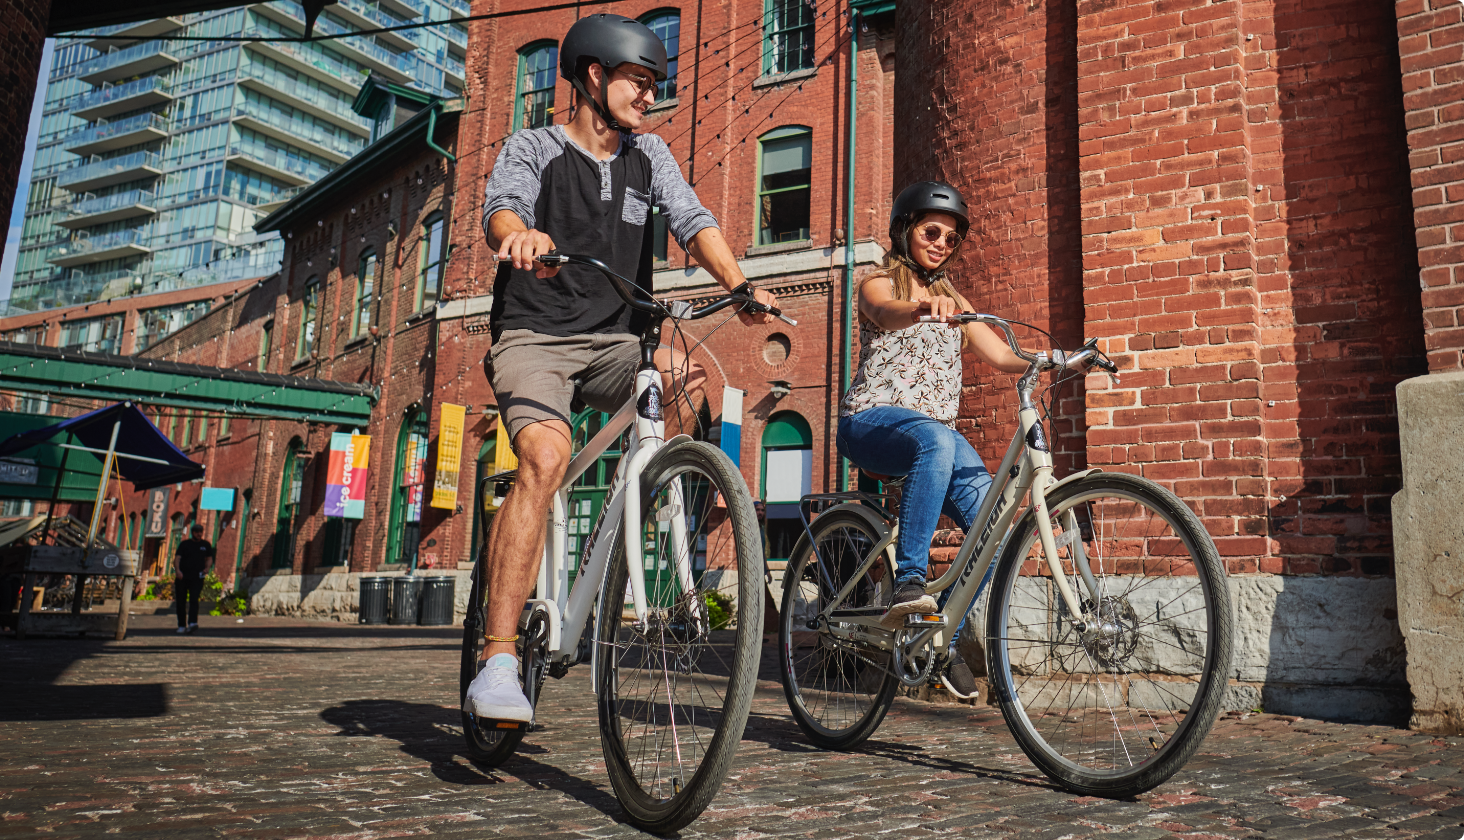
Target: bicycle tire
838 692
1148 702
486 747
711 656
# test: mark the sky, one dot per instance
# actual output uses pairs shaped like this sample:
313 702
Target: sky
22 187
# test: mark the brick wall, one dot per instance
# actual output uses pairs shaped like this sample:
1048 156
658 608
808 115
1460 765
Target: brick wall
24 42
1431 46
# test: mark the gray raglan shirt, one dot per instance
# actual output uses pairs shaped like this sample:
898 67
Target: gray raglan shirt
587 206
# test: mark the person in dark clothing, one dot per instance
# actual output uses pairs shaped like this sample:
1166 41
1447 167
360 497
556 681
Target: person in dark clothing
195 556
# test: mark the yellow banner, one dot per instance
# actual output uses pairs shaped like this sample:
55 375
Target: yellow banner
503 457
449 456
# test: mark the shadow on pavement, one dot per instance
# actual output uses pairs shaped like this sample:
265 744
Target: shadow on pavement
434 734
84 702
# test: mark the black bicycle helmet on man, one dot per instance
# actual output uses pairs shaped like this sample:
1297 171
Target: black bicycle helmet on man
608 40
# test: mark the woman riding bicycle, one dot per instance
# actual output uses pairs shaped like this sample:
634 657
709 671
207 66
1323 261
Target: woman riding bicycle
898 416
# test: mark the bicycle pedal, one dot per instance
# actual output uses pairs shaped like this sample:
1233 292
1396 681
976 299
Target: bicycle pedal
491 725
916 620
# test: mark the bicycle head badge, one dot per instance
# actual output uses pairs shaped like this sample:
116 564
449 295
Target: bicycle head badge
648 407
608 40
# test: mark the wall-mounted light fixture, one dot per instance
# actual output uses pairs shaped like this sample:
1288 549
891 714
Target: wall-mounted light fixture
781 388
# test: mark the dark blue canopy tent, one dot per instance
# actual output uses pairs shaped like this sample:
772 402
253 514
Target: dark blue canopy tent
144 455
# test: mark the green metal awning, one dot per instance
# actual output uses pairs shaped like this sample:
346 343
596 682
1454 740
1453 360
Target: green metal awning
103 376
34 475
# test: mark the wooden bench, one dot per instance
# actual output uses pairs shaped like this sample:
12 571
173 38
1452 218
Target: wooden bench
69 560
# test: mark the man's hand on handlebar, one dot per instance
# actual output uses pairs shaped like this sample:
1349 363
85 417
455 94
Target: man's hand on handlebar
764 297
524 247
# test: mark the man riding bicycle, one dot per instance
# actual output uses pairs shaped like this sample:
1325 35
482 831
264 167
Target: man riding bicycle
585 187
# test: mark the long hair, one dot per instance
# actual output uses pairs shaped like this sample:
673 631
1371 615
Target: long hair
903 270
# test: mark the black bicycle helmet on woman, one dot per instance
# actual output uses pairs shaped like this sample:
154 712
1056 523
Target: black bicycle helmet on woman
609 40
916 200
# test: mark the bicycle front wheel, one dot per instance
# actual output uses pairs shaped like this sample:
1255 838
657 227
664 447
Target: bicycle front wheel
836 676
675 688
1117 706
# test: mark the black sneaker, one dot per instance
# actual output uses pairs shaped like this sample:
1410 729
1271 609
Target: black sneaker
958 679
909 599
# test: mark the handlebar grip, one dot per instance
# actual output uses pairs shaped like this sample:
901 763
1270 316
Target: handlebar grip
1106 364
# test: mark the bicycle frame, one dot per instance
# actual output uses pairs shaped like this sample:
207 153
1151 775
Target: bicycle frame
1026 467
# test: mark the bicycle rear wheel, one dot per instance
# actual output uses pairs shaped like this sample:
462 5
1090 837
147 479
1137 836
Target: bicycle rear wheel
674 690
838 688
1116 708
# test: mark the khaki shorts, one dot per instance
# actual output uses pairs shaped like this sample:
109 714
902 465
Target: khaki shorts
532 374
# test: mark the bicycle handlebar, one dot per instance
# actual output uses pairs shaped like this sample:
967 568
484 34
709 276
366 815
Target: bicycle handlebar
1088 355
679 310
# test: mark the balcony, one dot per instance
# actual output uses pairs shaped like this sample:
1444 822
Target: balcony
369 55
147 57
105 137
136 30
295 133
109 208
459 8
130 96
455 36
313 101
94 249
106 173
333 72
358 14
276 164
408 9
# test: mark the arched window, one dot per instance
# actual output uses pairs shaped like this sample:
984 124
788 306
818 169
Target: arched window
667 26
784 177
366 269
787 476
592 488
406 501
309 307
533 101
432 260
788 44
243 535
290 480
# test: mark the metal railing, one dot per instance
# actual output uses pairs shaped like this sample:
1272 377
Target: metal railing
276 159
95 244
115 93
117 57
294 89
300 131
101 131
97 169
94 206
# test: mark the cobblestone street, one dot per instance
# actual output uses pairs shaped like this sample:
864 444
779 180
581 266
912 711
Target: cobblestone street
284 728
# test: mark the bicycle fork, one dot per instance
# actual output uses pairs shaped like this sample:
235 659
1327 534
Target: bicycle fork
1041 460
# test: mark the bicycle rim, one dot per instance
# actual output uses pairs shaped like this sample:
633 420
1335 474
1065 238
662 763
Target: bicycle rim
675 689
1112 709
838 688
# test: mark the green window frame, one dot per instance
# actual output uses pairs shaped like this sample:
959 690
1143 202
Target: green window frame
243 535
784 185
533 98
309 311
788 42
187 429
433 259
366 269
284 541
666 23
407 488
202 430
224 426
266 333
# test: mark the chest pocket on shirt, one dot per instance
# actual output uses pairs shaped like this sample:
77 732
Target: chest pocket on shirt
637 205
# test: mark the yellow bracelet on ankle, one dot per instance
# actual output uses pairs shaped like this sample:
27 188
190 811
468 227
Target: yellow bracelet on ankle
513 638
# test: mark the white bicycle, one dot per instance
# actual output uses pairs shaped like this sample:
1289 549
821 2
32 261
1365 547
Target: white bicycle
672 575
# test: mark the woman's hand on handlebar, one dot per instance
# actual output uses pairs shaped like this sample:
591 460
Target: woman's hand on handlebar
764 297
937 308
523 247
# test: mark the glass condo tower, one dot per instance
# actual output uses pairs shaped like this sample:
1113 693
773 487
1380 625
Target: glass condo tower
156 157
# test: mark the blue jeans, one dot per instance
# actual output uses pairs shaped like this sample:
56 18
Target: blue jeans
943 475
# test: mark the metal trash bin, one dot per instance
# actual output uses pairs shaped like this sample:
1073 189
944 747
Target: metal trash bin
438 594
375 594
405 593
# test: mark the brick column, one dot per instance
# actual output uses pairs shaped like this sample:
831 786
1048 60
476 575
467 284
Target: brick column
986 100
1431 47
24 42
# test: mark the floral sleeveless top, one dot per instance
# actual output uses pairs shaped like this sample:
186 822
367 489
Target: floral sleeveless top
918 368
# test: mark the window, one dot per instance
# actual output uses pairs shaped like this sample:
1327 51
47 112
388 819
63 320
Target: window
284 543
309 303
97 335
365 288
667 26
202 429
187 429
784 174
787 476
533 102
406 507
33 403
224 427
789 44
385 117
429 280
264 345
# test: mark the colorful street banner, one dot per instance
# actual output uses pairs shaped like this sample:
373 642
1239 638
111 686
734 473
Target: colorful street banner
503 457
345 475
449 456
732 423
157 512
216 498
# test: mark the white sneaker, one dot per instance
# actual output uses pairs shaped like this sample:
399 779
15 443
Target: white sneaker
495 694
182 630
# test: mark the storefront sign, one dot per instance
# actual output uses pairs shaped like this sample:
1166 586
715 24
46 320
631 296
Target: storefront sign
216 498
157 512
18 471
449 456
345 479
